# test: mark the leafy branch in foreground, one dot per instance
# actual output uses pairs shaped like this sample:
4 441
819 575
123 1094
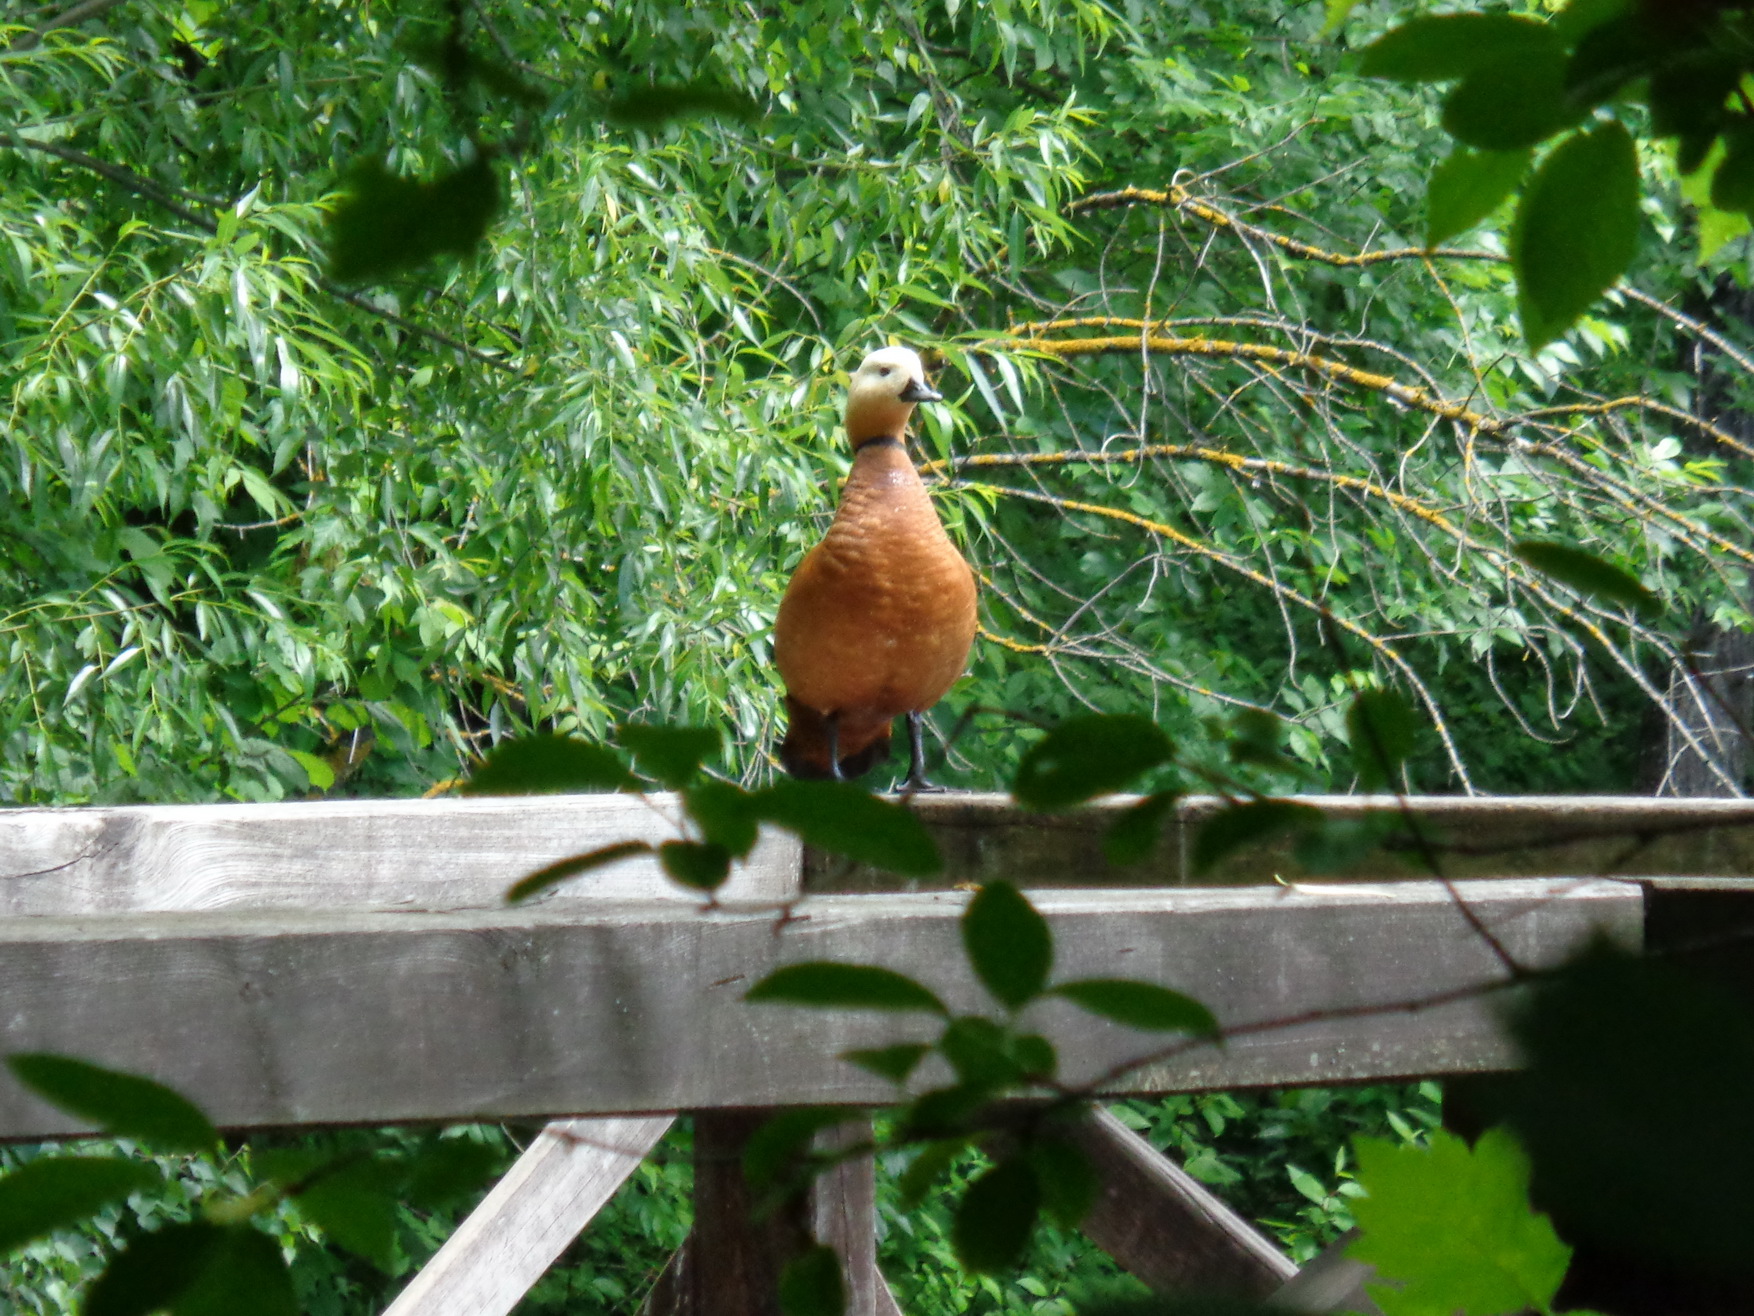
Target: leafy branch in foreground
220 1261
1036 1166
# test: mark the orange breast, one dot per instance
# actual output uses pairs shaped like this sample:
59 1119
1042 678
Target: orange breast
880 615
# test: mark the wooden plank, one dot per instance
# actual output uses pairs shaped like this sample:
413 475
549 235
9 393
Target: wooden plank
1164 1227
1330 1282
736 1252
532 1215
293 1017
843 1214
370 854
1495 836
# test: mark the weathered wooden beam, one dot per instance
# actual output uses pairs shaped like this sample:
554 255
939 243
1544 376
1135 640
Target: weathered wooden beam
1330 1281
983 836
509 1241
409 855
293 1017
1160 1224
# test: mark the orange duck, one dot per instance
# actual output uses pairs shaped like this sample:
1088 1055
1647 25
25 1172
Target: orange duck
879 617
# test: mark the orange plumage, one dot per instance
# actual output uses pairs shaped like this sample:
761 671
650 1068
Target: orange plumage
879 617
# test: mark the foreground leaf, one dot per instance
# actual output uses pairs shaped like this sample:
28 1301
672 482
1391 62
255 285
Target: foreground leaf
1085 757
123 1105
996 1216
55 1192
811 1284
1008 943
572 866
384 223
671 754
245 1273
838 816
548 764
1250 823
356 1206
153 1271
1467 187
1139 1004
699 865
1453 1228
1381 727
844 986
780 1143
1609 1041
894 1063
1587 574
1133 835
1442 48
1575 229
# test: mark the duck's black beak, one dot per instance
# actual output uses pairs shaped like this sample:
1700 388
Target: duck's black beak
918 390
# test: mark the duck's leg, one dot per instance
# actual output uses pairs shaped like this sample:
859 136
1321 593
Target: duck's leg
916 783
833 721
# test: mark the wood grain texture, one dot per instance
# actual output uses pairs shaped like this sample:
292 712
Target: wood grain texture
532 1215
985 836
327 854
1161 1225
292 1017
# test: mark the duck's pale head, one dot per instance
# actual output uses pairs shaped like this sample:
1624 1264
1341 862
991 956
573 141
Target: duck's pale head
884 391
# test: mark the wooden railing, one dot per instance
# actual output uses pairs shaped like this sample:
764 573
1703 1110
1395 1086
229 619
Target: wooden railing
354 962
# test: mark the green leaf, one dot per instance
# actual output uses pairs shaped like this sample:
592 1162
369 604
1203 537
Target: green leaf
1467 187
1085 757
154 1270
671 754
1381 728
1442 48
1608 1041
979 1051
561 869
383 224
1511 102
55 1192
894 1063
996 1216
355 1205
1587 574
934 1160
700 865
1008 943
782 1142
244 1273
1069 1182
811 1284
1138 1004
123 1105
653 107
1575 230
839 817
447 1170
1035 1056
945 1112
548 764
1453 1228
1237 825
1732 185
727 815
1133 835
844 987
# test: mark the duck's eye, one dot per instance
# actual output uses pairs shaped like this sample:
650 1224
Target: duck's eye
884 372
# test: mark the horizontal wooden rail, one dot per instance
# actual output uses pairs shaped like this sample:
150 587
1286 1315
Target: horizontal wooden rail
293 1017
1678 841
410 855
